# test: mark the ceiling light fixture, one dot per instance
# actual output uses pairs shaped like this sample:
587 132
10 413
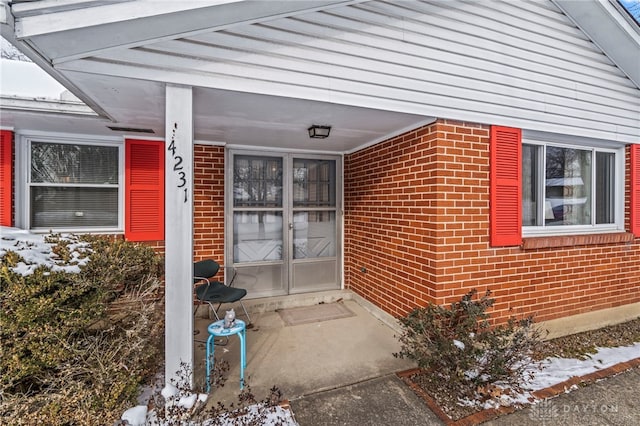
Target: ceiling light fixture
319 132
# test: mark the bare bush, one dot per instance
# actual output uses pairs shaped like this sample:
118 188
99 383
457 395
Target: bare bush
462 354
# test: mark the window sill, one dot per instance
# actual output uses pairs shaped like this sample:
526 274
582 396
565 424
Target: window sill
534 243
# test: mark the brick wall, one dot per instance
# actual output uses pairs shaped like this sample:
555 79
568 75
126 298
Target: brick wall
390 235
417 218
208 209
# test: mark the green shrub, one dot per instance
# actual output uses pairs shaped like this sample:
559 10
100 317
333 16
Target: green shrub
121 265
76 346
462 353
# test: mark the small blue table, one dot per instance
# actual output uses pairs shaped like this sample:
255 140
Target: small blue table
216 329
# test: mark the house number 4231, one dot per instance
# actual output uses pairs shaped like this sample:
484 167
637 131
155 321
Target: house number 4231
178 168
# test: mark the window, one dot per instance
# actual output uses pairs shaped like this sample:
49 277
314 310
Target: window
568 188
73 185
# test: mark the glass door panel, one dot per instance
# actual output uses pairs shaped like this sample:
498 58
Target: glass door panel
314 234
258 216
257 181
314 261
257 236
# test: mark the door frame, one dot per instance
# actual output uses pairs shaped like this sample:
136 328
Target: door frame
288 211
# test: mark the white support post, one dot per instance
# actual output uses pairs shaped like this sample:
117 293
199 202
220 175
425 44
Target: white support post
178 231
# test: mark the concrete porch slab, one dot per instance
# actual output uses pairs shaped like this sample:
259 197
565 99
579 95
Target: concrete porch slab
307 358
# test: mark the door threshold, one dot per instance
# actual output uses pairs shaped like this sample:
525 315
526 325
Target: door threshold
270 304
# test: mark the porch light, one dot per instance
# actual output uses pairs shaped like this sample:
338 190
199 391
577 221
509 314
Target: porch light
319 132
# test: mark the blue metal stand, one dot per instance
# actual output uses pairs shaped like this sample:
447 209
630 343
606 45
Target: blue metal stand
216 329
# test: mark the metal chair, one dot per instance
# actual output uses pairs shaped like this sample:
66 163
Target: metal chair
209 291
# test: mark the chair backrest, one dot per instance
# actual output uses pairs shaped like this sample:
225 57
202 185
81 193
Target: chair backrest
205 269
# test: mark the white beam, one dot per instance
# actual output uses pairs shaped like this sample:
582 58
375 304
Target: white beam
178 231
84 16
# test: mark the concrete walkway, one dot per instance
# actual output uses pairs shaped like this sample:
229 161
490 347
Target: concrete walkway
342 372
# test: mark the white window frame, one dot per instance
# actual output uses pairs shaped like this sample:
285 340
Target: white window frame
618 187
23 178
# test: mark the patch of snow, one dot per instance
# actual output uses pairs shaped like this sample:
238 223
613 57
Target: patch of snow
187 401
136 416
169 391
556 370
459 344
35 251
552 371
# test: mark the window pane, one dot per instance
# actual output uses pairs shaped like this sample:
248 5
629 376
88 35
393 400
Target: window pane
530 161
314 234
257 236
74 207
69 163
314 183
605 187
568 186
257 181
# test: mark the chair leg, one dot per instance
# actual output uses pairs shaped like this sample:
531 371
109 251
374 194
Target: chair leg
246 313
214 311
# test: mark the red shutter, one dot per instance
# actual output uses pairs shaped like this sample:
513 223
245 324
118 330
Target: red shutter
634 162
144 190
505 186
6 177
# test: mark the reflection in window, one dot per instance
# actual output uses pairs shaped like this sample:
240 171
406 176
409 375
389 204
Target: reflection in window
257 181
257 236
572 186
568 186
314 234
71 163
314 183
73 185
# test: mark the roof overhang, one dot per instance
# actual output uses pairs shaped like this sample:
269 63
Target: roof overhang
611 29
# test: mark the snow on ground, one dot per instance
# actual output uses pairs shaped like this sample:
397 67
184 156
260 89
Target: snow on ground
552 371
35 251
556 370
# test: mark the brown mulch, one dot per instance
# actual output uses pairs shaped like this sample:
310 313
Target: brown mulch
579 346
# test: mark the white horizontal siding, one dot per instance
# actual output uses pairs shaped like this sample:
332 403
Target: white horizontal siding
511 63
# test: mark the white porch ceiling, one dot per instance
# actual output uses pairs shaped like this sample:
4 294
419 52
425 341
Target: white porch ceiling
247 119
